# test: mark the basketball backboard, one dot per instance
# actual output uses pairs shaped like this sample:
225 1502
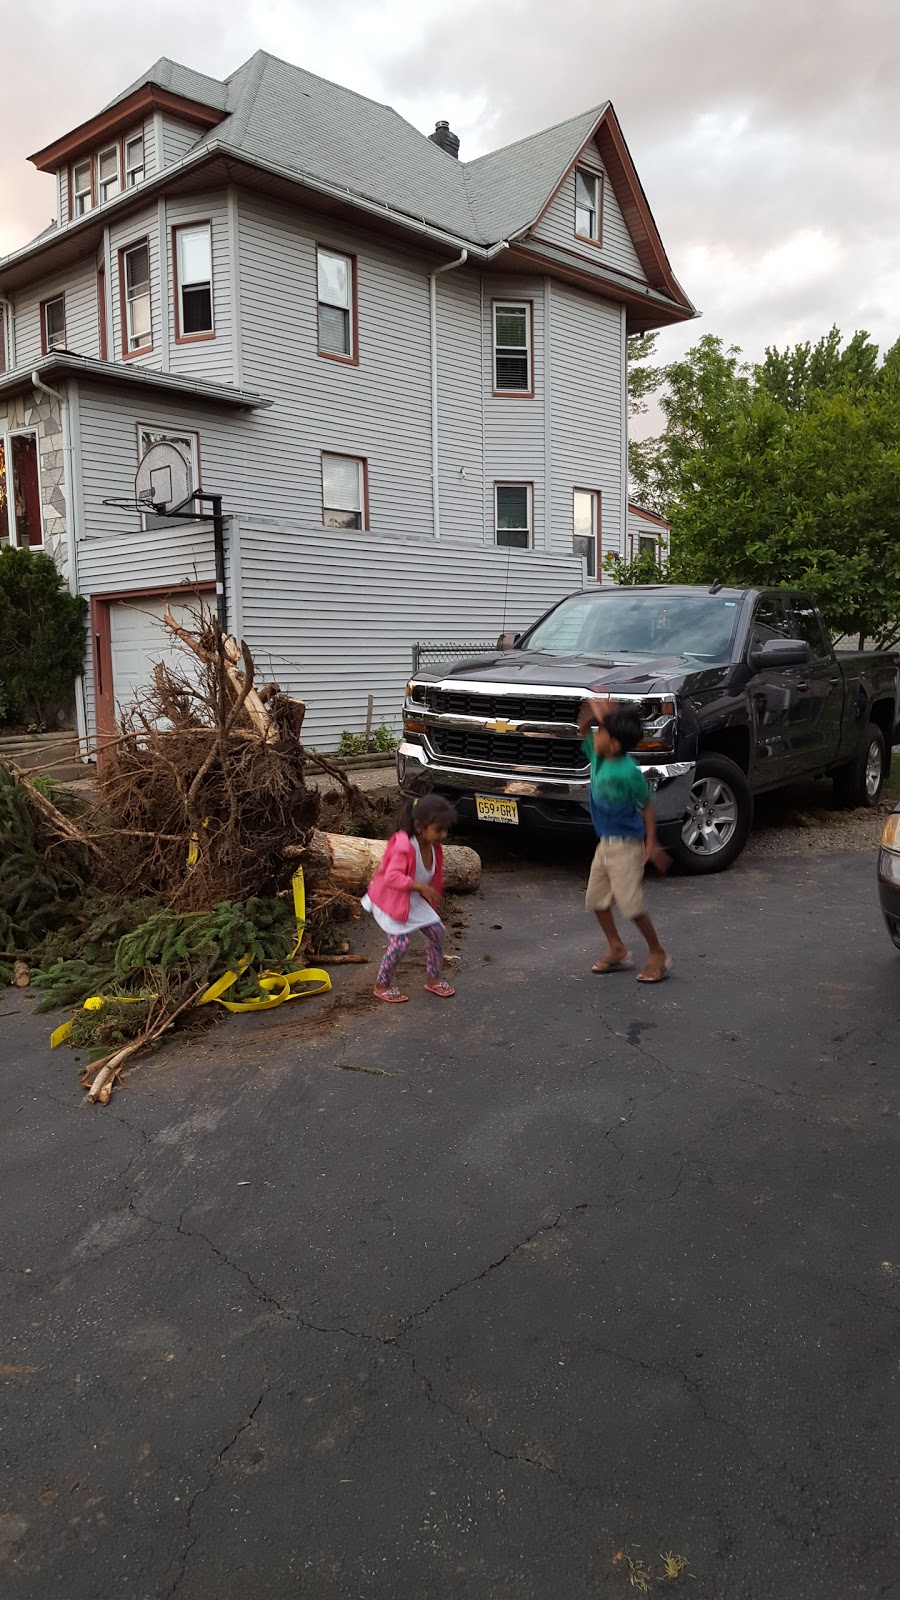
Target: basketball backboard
163 478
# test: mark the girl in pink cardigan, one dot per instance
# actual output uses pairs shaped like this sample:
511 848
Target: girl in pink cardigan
405 893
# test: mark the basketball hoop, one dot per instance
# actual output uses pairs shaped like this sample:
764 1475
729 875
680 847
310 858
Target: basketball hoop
163 479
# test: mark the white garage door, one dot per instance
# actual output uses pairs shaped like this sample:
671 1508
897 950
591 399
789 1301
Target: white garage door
139 639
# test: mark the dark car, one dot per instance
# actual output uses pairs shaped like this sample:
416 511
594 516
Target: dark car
889 874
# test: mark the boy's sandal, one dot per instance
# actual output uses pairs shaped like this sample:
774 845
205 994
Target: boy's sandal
392 996
622 965
441 988
656 977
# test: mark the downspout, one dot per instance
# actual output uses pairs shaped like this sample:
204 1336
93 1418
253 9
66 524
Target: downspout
449 266
11 335
37 383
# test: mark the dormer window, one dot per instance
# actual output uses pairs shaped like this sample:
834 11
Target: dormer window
108 173
587 204
82 189
134 161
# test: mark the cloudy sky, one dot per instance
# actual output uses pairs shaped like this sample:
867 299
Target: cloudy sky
765 131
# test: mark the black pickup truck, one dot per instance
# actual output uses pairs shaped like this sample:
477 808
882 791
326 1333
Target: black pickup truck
740 689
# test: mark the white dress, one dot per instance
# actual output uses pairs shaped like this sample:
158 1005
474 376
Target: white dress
421 914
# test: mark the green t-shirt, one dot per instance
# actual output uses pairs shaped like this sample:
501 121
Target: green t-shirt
619 793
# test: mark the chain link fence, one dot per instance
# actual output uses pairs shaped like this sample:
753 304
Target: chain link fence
439 655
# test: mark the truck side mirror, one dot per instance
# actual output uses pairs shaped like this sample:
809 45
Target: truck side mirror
507 640
779 653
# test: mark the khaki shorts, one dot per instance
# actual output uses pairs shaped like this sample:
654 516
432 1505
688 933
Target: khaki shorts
617 877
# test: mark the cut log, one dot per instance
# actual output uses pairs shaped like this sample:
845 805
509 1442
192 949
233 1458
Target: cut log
350 863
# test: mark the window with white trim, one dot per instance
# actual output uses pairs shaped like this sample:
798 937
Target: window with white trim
53 323
108 173
587 204
586 527
134 160
20 490
82 191
193 265
512 347
189 445
343 491
2 338
337 335
137 318
648 545
512 515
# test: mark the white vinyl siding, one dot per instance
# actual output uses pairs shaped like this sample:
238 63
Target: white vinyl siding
79 285
449 590
177 139
557 225
379 410
462 380
586 409
62 196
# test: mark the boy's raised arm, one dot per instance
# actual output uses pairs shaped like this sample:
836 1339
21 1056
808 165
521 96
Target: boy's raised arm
591 711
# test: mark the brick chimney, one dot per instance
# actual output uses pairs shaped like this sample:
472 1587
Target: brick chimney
445 139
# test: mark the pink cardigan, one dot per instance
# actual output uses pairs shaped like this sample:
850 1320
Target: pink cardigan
393 883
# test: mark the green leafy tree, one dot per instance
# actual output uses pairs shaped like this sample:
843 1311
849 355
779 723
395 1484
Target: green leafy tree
787 473
42 635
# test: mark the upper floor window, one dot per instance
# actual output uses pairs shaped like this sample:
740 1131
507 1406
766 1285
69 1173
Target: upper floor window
337 303
344 492
2 338
587 204
53 324
108 173
20 491
586 528
513 514
82 188
512 348
134 160
134 287
193 282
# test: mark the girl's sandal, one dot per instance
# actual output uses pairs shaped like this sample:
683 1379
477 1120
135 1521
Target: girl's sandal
392 996
441 988
656 977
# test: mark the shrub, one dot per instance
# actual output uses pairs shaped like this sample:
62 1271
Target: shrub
42 636
382 740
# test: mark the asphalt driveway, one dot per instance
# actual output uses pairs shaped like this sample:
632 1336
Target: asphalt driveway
501 1299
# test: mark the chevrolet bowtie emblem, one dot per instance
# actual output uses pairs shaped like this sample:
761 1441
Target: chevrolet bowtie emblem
501 726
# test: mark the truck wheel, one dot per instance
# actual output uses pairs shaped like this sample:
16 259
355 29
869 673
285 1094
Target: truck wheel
860 782
718 819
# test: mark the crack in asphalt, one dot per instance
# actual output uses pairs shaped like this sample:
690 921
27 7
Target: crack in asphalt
205 1488
465 1283
517 1457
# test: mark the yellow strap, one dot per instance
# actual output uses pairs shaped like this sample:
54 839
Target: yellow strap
276 987
96 1003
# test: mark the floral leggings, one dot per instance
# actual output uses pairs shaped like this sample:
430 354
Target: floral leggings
398 944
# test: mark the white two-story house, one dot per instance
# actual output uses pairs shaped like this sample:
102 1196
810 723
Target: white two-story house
404 374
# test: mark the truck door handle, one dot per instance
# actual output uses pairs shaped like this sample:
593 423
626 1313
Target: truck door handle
803 686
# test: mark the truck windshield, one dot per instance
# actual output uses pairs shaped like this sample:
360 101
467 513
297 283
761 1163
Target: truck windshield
700 626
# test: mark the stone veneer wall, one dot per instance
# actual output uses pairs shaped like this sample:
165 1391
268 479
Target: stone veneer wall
36 410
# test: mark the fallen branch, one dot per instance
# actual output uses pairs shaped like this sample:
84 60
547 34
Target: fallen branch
340 961
110 1068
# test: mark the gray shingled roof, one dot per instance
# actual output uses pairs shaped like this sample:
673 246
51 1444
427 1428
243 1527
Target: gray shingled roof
281 114
177 79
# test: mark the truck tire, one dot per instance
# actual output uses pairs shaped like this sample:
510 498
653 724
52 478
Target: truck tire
860 782
718 821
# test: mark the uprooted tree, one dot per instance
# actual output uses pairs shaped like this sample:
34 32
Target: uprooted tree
181 872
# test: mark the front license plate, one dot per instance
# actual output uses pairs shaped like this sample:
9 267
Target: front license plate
487 809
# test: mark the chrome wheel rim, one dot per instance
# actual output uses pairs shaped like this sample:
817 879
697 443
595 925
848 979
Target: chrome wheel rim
873 769
711 817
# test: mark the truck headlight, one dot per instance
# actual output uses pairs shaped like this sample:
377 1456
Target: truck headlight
416 693
659 727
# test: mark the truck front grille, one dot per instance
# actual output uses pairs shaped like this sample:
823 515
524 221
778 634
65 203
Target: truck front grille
508 750
515 708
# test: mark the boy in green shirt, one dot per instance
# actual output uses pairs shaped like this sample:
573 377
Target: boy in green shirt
625 823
